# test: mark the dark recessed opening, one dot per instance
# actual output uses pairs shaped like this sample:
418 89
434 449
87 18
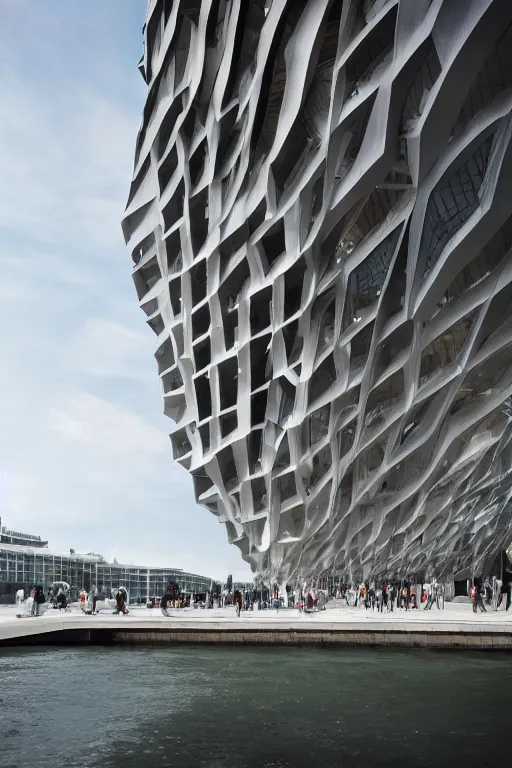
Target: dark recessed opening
204 433
274 242
259 357
254 447
165 356
260 310
228 382
257 217
322 379
198 213
175 294
293 282
200 321
197 163
198 282
202 353
173 211
203 397
156 324
172 380
167 168
258 407
173 251
228 423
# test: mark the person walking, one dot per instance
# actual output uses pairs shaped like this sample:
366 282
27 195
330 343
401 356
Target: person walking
477 597
238 601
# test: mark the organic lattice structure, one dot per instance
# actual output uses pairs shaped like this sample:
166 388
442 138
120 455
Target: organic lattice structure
320 220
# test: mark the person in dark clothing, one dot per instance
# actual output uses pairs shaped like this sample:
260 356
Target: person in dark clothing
238 601
477 596
121 601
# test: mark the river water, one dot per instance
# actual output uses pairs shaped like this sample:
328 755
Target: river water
190 707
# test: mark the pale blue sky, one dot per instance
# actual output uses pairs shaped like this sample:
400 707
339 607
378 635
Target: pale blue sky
83 445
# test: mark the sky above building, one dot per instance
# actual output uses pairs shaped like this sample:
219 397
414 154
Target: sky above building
85 458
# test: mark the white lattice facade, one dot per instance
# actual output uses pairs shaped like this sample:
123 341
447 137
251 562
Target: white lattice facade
320 221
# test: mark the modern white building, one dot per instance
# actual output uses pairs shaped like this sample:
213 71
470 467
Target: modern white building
320 222
25 565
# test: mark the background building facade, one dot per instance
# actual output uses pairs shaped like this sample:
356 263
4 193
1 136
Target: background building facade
320 221
25 566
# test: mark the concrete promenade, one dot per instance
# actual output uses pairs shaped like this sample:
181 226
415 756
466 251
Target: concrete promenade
454 627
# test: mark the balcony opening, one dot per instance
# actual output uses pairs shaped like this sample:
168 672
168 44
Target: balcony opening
258 408
202 354
346 437
486 379
204 434
164 135
421 87
200 321
360 347
203 397
322 379
198 282
494 77
259 494
260 310
231 244
167 168
259 359
273 242
180 443
393 300
322 461
172 380
498 317
287 399
230 327
392 347
289 335
293 282
227 467
150 274
292 156
282 459
372 50
254 442
173 211
227 133
165 356
455 198
232 286
484 264
444 349
366 281
156 324
413 420
287 487
198 213
257 217
173 251
317 425
175 295
385 399
228 423
197 163
274 78
228 382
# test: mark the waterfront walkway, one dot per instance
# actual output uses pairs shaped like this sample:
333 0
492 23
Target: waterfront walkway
455 626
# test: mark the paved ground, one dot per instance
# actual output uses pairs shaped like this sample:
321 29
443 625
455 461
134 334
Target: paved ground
456 617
